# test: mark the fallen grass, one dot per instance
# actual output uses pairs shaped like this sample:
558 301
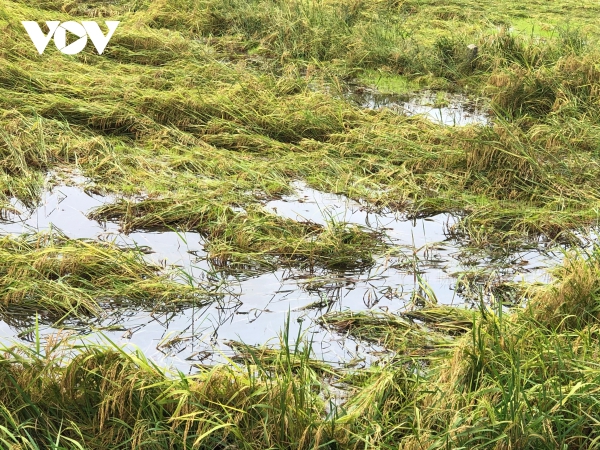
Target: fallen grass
386 329
209 108
63 279
528 379
179 108
253 237
99 396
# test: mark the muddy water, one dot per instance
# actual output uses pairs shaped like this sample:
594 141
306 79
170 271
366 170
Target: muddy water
457 110
253 309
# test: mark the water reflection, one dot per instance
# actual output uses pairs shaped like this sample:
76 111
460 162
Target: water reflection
424 264
451 109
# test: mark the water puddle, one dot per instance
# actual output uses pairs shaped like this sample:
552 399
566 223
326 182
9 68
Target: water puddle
65 208
441 108
425 264
423 243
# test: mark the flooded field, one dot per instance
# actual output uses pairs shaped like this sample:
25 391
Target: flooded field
424 265
261 224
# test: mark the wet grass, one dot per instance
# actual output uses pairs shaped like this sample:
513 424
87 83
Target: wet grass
386 329
203 110
525 379
99 396
64 279
254 237
179 109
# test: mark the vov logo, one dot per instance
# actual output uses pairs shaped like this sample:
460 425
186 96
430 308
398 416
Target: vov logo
59 31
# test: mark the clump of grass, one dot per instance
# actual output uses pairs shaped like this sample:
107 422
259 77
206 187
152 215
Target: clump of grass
525 380
573 301
388 83
389 330
268 357
100 395
567 88
443 318
513 382
62 279
196 213
253 237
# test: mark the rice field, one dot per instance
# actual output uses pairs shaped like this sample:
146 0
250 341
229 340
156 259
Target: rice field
312 224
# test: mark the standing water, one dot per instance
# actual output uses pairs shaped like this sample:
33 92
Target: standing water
253 308
441 108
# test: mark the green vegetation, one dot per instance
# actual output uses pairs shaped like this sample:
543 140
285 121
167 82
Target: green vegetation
525 380
388 83
255 237
208 108
61 279
198 103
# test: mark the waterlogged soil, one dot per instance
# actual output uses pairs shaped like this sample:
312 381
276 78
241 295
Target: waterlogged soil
440 107
423 264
